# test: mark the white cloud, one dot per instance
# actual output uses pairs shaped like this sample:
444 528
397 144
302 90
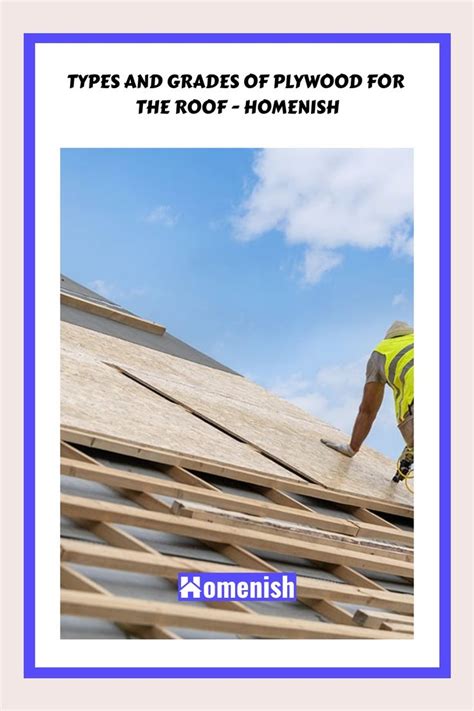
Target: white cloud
301 392
162 214
399 299
326 199
344 378
318 261
333 395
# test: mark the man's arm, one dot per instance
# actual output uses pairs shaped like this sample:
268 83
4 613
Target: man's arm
369 407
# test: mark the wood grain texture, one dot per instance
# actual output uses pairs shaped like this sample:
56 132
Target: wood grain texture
188 416
88 509
397 627
243 408
119 538
152 563
73 580
114 314
375 618
295 485
138 482
288 440
326 608
98 397
130 610
370 517
202 512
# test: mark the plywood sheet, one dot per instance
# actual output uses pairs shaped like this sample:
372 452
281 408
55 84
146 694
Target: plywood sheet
115 350
277 427
99 398
291 441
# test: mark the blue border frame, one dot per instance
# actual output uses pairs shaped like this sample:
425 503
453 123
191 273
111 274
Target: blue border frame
444 668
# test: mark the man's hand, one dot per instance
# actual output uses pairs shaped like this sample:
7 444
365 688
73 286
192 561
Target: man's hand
344 449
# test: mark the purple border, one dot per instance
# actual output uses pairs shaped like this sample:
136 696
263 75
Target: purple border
444 668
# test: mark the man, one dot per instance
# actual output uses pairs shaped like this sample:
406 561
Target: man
391 363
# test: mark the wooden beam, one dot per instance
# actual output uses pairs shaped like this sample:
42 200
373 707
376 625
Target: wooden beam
332 612
279 497
370 517
353 577
397 627
240 555
385 533
117 537
84 508
237 554
184 615
376 528
148 501
317 589
73 580
139 482
99 555
113 535
274 495
323 607
185 477
292 531
229 427
112 444
120 538
109 312
70 452
375 619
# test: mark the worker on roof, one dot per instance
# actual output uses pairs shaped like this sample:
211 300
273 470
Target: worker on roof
391 363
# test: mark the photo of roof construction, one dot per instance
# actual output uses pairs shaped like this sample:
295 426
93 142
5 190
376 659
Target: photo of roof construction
174 461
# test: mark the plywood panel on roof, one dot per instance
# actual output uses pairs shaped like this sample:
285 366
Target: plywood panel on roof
277 427
125 353
291 440
100 399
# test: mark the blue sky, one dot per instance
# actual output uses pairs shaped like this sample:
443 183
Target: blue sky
287 266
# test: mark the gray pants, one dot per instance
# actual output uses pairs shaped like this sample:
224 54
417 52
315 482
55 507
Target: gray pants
406 427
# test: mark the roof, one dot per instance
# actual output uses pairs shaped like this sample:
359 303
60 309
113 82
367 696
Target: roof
172 462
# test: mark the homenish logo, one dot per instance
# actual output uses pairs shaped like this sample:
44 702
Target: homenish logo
237 586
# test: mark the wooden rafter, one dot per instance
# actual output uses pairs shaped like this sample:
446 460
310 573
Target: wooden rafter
95 554
322 597
154 454
132 610
83 508
73 580
109 312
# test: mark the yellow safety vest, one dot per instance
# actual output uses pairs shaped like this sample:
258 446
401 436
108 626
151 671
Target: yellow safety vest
399 355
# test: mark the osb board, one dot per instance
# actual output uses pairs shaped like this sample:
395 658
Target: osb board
98 398
252 413
292 441
127 354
